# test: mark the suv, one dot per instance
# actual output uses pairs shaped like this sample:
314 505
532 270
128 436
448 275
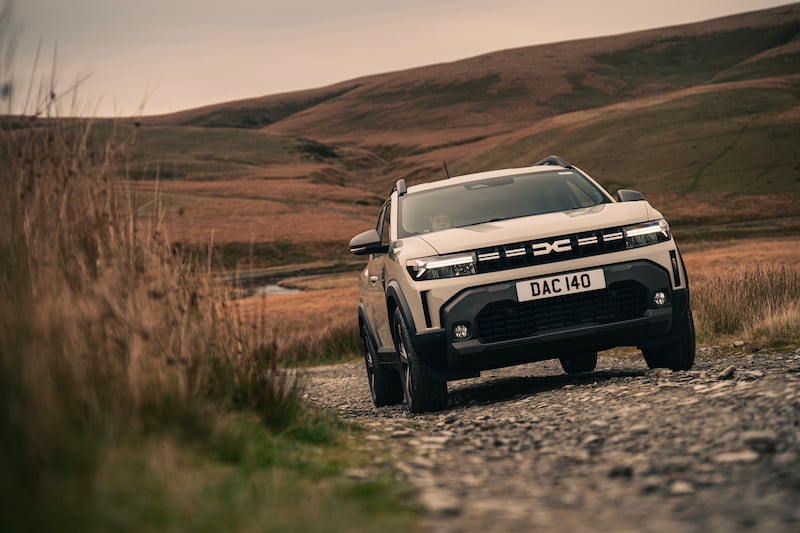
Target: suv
512 266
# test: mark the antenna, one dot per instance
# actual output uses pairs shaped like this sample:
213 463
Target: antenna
446 171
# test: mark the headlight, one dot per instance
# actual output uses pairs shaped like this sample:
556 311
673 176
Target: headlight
442 266
647 233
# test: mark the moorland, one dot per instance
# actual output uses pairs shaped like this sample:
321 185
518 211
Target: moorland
701 110
138 395
704 119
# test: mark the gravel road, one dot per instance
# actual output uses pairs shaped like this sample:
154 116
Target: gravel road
621 449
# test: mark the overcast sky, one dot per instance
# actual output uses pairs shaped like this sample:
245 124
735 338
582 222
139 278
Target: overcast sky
167 55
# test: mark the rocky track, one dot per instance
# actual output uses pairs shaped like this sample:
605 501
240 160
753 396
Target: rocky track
621 449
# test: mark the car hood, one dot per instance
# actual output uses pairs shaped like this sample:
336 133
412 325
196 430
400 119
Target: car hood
540 226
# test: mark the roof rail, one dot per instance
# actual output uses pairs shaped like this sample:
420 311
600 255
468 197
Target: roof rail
400 187
553 160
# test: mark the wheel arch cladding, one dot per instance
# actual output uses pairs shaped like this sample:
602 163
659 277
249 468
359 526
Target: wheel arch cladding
395 299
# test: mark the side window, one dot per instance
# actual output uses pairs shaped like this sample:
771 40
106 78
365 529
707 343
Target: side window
386 223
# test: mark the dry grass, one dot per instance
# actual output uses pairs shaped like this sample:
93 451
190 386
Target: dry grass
747 289
297 190
291 218
105 333
757 301
244 220
710 259
308 327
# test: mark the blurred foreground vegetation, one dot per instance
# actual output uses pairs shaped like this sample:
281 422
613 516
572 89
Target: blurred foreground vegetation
131 396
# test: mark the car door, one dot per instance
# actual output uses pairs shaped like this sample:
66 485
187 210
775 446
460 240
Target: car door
376 292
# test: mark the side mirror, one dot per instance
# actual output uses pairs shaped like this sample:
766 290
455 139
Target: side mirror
368 242
629 195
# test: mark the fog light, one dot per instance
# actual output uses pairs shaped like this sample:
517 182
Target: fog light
659 298
461 332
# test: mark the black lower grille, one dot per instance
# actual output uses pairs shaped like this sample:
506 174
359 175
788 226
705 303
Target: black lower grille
507 320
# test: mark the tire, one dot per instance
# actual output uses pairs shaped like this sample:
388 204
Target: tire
579 362
384 384
422 394
679 353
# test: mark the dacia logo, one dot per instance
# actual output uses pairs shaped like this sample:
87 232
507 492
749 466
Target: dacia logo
544 248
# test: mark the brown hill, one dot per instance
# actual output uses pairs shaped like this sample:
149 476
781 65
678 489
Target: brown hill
513 87
510 89
711 109
406 122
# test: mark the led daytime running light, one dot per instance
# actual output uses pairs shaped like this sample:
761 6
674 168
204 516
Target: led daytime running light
442 267
647 233
648 228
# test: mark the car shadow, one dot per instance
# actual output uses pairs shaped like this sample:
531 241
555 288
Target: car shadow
502 389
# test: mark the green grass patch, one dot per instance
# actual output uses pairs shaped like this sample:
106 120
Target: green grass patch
174 152
582 95
260 116
692 59
487 89
728 140
242 477
767 228
784 64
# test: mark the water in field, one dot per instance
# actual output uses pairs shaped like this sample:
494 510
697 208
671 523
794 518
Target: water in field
273 289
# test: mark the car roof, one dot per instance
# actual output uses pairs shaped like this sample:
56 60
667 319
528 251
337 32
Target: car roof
478 176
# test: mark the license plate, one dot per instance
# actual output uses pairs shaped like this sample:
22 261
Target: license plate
560 285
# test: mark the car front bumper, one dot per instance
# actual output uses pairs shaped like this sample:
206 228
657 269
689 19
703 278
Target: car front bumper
505 332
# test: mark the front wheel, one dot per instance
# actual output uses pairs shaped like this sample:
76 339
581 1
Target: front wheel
422 393
384 384
678 354
577 363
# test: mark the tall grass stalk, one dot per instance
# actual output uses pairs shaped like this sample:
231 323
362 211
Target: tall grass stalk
755 301
328 344
105 331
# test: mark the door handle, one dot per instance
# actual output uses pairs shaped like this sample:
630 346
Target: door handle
373 279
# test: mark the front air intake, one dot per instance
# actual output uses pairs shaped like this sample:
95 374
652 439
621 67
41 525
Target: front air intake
508 320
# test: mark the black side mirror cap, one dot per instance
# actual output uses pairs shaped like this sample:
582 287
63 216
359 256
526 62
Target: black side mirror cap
366 243
629 195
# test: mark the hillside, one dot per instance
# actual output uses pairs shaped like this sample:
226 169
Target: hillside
711 109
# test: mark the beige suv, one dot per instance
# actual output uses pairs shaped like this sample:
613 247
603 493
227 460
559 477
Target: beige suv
513 266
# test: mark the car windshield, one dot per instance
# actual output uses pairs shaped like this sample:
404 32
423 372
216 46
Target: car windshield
493 199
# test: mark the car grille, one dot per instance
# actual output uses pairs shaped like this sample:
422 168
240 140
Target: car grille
550 250
506 320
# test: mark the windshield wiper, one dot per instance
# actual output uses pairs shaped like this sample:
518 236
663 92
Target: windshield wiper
498 219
